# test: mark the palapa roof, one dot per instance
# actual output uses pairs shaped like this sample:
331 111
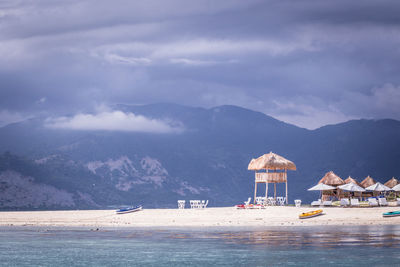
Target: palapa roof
331 178
367 182
271 161
392 182
351 180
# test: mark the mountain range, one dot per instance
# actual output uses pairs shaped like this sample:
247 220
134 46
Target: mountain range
51 168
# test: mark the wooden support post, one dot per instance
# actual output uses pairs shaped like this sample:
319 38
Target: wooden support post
255 193
287 201
266 189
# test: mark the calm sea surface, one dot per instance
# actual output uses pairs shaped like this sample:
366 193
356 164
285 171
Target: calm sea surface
302 246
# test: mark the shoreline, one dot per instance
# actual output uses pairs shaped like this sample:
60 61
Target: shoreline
226 217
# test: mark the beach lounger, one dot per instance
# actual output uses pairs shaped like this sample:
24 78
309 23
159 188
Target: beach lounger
327 203
297 202
316 203
372 202
181 204
354 202
398 201
344 202
246 203
382 201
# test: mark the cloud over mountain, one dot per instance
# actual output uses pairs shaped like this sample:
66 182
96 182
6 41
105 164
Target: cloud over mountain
113 121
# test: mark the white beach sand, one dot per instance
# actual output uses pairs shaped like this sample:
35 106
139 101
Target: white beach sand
210 217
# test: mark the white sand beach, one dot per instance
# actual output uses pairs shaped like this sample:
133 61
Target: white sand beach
210 217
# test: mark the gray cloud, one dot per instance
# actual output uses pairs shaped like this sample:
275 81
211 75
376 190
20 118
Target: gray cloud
306 62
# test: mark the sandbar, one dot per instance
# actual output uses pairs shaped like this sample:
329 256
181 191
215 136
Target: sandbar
209 217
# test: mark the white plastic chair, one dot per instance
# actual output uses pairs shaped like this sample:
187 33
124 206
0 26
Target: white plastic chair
203 204
280 201
197 204
246 203
297 202
271 201
194 204
181 204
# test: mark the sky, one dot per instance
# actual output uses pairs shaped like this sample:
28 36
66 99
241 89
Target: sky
309 63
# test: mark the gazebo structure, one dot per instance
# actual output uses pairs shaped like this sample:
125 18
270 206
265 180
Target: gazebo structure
275 168
368 181
392 182
330 178
354 181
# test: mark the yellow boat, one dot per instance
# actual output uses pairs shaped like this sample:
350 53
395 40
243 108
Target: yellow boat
310 214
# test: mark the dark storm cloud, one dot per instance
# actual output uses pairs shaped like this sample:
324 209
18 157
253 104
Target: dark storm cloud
306 62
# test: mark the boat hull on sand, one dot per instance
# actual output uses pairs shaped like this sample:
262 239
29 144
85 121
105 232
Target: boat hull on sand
391 213
129 210
310 214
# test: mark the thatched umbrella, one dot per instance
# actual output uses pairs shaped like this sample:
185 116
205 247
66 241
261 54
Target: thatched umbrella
331 178
351 180
271 161
274 162
392 182
367 182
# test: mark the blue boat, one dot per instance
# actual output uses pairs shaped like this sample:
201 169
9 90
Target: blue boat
391 213
129 209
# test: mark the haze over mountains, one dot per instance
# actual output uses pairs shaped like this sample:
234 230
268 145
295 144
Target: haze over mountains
185 153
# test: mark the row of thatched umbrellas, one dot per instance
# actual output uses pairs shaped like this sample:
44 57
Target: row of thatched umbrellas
331 181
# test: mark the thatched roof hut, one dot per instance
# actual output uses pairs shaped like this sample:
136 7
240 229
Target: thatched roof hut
392 182
275 167
271 161
351 180
367 182
331 178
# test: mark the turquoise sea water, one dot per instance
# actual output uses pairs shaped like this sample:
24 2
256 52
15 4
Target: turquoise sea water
295 246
